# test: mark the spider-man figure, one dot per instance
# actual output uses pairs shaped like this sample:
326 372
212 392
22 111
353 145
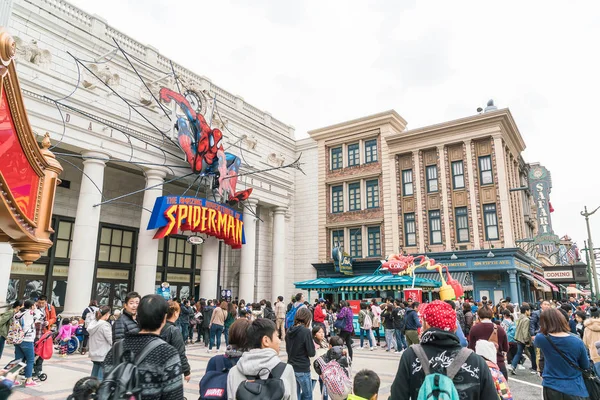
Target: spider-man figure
203 145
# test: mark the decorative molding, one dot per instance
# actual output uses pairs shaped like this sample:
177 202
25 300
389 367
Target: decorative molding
250 141
32 53
105 74
276 159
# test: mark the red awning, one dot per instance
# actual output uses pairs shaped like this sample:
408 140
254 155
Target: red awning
547 282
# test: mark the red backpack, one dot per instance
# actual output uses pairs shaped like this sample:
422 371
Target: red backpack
44 347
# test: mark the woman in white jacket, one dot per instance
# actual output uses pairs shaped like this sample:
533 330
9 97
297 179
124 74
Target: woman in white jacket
100 342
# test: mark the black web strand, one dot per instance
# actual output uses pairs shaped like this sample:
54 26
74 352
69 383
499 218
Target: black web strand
175 76
123 161
83 172
143 190
64 126
76 85
190 185
295 164
142 79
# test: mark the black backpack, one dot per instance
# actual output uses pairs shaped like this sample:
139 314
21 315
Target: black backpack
254 388
213 384
123 381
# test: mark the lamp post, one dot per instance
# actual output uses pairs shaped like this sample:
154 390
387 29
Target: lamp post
586 214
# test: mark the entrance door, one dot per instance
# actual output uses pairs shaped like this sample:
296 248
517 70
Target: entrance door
24 288
498 295
111 293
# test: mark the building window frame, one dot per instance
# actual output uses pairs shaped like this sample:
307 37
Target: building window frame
458 174
461 216
435 227
410 230
374 241
370 151
406 183
337 158
372 193
354 196
431 172
121 237
336 236
486 176
337 199
490 221
353 154
355 235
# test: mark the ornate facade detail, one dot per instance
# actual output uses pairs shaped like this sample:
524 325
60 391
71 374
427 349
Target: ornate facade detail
105 74
250 141
32 53
276 159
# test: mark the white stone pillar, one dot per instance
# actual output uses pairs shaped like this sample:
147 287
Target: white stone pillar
247 263
6 257
85 234
5 14
278 263
419 198
147 246
209 269
472 171
502 174
445 202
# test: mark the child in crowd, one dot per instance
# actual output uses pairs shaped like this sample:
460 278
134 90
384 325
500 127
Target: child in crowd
487 350
366 386
321 347
67 330
336 352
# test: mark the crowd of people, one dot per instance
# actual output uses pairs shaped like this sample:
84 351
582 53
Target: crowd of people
477 345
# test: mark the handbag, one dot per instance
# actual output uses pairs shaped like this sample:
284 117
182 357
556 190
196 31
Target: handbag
591 380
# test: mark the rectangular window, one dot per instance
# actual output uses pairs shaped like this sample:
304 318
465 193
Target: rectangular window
336 158
371 151
373 193
485 170
180 253
435 227
337 238
355 242
374 237
491 222
115 245
337 199
353 155
161 253
407 182
64 239
354 196
458 175
432 178
462 224
410 231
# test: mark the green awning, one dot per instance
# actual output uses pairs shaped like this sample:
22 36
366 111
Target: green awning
368 282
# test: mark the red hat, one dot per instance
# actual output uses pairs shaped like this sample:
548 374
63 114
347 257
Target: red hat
439 314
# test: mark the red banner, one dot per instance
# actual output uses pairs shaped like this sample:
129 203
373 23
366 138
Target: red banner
416 294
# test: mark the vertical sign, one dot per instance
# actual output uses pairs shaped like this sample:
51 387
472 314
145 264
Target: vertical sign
540 184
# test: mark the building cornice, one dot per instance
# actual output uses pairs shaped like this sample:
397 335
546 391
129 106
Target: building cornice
390 117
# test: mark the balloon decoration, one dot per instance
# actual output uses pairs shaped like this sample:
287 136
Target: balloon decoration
400 264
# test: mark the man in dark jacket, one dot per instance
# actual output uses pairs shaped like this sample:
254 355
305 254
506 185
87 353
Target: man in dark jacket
206 317
127 321
184 320
473 381
412 323
398 316
172 335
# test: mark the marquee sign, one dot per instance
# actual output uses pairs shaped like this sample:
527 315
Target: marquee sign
540 184
563 274
172 214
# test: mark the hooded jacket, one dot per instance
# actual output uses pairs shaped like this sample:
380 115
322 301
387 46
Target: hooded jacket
300 347
591 335
100 340
473 381
260 361
411 320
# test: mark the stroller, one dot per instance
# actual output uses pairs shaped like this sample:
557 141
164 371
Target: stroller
43 349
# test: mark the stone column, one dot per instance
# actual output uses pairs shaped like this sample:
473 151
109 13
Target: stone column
246 286
472 170
85 234
5 14
209 269
147 247
419 198
278 264
445 202
502 173
6 257
514 290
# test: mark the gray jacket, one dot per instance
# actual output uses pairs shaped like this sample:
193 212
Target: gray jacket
260 360
100 339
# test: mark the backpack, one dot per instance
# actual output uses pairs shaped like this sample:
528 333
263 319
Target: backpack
290 316
494 337
123 382
438 386
338 384
16 334
367 322
214 383
500 382
89 316
270 314
254 388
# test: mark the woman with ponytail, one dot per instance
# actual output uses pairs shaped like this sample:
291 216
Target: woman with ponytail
100 342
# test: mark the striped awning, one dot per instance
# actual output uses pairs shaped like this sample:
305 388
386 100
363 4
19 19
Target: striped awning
464 278
366 283
537 283
546 281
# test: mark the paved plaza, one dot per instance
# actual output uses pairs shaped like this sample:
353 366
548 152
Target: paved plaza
64 372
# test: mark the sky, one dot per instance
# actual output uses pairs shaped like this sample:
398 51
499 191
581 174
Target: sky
316 63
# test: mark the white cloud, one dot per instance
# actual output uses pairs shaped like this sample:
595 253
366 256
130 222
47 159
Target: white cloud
314 63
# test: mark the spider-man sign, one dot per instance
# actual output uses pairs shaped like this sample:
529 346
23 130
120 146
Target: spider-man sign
203 147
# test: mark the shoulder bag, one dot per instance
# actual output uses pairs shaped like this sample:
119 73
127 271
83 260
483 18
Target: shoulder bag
591 380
